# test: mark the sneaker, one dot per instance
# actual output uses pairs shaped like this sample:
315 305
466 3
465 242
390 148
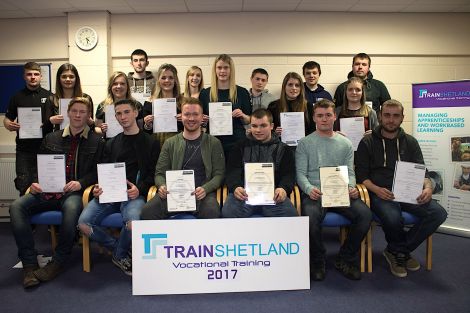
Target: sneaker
125 264
29 280
396 262
412 264
349 270
318 271
48 272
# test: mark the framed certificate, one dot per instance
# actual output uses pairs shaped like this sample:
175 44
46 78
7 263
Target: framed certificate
334 186
259 183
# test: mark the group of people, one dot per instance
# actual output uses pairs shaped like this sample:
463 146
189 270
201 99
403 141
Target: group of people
215 160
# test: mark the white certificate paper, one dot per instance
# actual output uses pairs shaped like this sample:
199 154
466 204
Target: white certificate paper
164 115
353 128
180 186
259 183
114 128
334 186
30 120
51 172
293 127
408 181
220 118
112 179
63 106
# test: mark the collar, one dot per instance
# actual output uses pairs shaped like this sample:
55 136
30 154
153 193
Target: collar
84 133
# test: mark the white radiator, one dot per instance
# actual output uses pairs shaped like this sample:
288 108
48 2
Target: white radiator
7 176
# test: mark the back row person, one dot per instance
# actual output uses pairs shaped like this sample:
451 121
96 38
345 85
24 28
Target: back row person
141 82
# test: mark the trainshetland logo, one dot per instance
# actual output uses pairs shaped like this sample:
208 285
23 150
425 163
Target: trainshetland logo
422 92
151 241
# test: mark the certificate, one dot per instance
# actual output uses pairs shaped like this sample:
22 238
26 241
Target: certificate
63 106
51 172
164 115
114 128
112 179
334 186
220 118
408 181
353 128
30 120
293 127
180 186
259 183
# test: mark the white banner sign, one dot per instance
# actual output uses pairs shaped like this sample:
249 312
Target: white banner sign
220 255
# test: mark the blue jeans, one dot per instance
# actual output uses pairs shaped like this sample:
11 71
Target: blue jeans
236 208
95 212
359 215
23 208
430 215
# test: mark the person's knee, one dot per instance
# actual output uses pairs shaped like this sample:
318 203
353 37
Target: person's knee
209 212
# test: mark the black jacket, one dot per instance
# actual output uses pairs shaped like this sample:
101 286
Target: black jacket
379 167
89 152
250 150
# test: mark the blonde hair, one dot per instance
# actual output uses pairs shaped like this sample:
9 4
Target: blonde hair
191 71
364 109
233 88
157 92
110 97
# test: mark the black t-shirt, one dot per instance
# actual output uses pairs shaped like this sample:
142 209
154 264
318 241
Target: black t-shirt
128 154
193 160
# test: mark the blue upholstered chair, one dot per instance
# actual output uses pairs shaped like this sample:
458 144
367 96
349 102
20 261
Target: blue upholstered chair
50 218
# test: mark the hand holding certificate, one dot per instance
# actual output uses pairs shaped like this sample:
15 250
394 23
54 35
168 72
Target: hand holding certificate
259 183
353 128
220 118
164 115
112 180
334 186
181 188
63 106
293 127
30 120
408 181
114 128
51 172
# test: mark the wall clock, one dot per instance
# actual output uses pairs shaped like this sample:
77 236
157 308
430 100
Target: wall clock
86 38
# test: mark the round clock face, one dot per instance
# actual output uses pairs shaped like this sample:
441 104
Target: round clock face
86 38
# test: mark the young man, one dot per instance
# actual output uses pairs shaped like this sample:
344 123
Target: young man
141 82
324 148
262 145
82 149
377 155
140 152
313 90
195 150
33 95
260 97
375 90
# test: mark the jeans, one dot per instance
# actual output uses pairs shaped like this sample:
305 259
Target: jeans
95 212
23 208
157 209
430 215
359 215
236 208
26 168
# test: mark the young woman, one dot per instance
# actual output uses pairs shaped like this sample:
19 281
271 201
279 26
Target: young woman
354 105
194 82
166 86
292 100
67 86
118 89
224 89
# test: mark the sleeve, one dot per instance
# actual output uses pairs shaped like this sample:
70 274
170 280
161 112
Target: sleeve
245 101
373 121
273 109
50 109
92 176
339 94
218 166
91 103
204 97
147 181
100 112
163 164
350 163
301 165
362 161
384 95
235 175
328 95
287 171
12 110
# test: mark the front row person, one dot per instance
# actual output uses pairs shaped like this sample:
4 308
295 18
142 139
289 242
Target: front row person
82 149
139 151
262 145
325 148
194 150
377 155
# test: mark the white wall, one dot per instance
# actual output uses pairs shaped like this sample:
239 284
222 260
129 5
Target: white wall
405 48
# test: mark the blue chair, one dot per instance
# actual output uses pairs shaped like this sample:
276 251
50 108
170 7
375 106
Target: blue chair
50 218
409 219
